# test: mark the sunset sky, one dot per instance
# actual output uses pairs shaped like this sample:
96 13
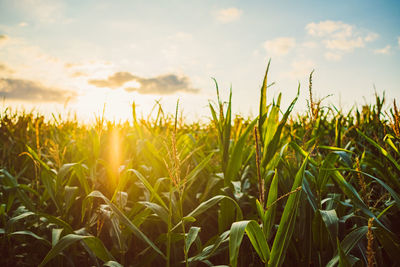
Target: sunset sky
77 55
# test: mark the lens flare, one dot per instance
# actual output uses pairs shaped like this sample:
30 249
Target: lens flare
114 155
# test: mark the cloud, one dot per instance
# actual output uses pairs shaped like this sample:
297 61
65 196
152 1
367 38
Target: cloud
229 14
340 37
26 90
371 37
3 39
383 51
310 45
280 46
42 10
336 29
5 69
114 81
70 65
331 56
78 74
181 36
398 41
344 44
301 68
22 24
164 84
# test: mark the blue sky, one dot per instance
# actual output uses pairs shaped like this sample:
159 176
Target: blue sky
82 54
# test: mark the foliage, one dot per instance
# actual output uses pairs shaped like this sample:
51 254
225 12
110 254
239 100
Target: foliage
278 190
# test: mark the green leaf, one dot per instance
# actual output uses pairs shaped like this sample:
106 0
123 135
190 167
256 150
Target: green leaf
260 210
384 185
348 243
35 156
92 242
29 233
80 172
199 167
331 222
269 128
189 219
235 239
286 224
307 189
112 264
263 103
70 193
390 243
388 140
125 220
343 262
226 137
148 186
49 183
209 251
324 170
204 206
255 235
98 248
21 216
385 154
351 192
302 152
333 148
11 181
193 173
64 170
67 228
191 237
235 161
269 216
161 212
257 239
273 146
55 235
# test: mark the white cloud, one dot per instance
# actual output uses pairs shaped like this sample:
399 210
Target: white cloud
383 51
165 84
32 91
3 39
310 44
5 69
30 63
42 10
338 36
301 68
331 56
372 36
181 36
344 44
280 46
229 14
398 41
329 28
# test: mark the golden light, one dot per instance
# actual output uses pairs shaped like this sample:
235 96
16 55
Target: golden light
114 155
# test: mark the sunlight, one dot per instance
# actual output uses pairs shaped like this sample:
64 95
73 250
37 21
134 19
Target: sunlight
91 103
114 155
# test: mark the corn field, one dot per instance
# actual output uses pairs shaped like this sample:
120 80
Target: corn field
318 189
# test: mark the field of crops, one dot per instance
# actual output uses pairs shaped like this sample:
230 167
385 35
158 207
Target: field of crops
315 189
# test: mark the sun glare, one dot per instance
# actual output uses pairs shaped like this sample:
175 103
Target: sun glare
114 155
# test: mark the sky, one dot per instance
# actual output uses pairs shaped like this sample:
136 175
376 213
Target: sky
81 56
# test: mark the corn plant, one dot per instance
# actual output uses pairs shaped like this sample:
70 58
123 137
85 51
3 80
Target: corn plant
282 189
